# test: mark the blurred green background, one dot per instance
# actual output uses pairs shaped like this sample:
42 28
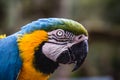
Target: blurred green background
100 17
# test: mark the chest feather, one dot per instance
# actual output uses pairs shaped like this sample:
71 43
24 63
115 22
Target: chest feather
27 45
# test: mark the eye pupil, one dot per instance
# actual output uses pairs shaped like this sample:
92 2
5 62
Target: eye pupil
59 33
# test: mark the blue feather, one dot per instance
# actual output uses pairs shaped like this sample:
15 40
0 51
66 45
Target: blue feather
41 24
10 62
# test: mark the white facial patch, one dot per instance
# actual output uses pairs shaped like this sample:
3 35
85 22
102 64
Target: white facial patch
52 51
59 41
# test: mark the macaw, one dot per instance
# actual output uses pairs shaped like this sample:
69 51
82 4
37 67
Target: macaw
35 52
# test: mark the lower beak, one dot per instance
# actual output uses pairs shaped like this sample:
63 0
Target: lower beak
76 54
81 54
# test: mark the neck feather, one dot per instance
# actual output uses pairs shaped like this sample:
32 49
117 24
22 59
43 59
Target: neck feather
35 64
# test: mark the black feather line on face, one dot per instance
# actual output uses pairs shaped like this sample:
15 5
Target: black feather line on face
42 63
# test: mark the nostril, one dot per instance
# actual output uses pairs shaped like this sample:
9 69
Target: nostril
80 37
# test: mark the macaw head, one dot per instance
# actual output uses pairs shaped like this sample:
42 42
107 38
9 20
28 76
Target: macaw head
66 41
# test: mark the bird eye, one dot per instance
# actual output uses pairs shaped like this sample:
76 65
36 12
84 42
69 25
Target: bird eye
60 33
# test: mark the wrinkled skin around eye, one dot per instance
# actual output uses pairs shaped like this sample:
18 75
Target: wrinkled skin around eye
60 35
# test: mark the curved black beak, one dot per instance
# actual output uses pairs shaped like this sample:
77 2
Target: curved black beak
80 54
75 54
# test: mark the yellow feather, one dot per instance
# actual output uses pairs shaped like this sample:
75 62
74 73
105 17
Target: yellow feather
2 36
27 45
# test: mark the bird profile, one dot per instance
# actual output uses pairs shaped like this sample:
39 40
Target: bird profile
37 49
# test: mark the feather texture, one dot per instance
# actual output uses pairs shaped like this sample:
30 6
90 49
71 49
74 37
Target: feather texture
10 62
27 46
49 24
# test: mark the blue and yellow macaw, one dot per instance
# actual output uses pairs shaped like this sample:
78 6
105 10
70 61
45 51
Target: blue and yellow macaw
35 52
